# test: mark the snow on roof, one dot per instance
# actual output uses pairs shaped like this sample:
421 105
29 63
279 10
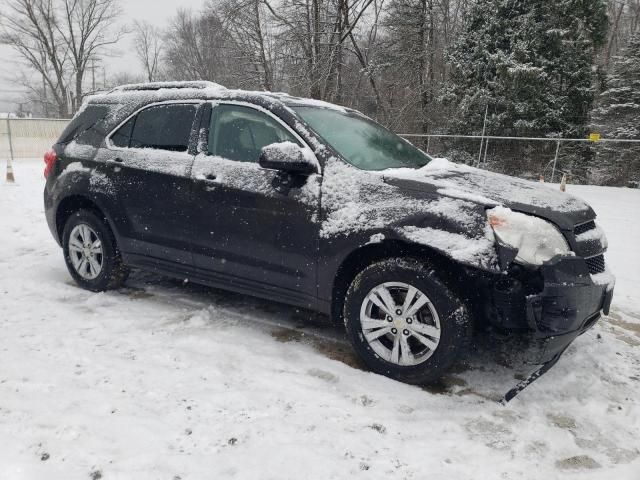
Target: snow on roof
159 91
167 85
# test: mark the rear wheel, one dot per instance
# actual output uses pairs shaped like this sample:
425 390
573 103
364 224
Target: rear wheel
404 322
91 253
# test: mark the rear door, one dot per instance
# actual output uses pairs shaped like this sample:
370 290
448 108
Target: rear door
148 164
256 228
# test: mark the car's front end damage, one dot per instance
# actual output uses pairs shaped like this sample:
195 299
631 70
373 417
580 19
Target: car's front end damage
555 297
548 279
557 302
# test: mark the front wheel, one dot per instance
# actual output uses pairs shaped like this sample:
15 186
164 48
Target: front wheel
91 253
404 322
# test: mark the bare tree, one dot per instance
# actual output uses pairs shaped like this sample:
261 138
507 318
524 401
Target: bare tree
624 21
363 53
246 21
198 47
411 53
123 78
148 45
312 34
86 28
30 28
58 39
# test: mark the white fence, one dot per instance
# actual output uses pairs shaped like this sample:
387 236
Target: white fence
28 137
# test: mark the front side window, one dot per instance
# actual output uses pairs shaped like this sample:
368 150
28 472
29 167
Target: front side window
163 127
362 142
239 133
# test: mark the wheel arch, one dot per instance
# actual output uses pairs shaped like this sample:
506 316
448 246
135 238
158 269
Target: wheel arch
73 203
365 255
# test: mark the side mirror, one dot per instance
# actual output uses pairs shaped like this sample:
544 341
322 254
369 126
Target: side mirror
288 157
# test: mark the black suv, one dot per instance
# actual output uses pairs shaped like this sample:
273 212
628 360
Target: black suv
317 206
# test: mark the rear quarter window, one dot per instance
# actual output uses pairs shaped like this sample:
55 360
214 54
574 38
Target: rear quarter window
86 127
122 136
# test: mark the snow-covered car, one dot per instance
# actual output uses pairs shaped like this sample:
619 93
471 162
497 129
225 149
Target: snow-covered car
315 205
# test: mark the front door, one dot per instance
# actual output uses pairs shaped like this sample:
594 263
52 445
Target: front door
257 229
148 168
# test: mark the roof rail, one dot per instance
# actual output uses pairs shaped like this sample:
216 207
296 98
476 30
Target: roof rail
199 84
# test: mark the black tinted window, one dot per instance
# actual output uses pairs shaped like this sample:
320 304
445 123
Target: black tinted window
165 127
122 136
239 133
81 127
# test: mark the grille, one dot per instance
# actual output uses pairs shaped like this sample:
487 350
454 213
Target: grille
595 264
584 227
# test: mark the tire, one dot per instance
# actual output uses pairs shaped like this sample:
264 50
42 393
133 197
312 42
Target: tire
435 335
85 224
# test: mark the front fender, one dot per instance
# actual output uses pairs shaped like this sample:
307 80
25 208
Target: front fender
477 252
360 208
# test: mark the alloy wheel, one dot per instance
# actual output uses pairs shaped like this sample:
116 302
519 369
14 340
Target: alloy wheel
400 323
85 251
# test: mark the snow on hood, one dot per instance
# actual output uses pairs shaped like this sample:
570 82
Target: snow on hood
357 201
488 188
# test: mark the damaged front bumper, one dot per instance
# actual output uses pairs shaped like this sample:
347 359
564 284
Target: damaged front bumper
557 302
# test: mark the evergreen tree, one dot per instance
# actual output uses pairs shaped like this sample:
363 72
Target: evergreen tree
530 62
618 116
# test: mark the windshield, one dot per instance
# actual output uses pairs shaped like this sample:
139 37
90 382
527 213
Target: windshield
362 142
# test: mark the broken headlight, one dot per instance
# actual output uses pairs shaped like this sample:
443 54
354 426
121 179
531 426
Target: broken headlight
535 240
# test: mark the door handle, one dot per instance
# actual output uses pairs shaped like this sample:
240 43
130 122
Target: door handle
115 161
209 178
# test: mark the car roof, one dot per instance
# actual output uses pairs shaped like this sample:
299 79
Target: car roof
145 93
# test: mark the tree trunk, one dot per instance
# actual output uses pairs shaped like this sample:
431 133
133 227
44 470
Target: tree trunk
267 77
315 71
78 96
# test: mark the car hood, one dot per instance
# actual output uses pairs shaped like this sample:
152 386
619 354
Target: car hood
490 189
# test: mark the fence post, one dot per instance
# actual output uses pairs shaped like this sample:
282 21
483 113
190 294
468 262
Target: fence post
484 126
555 160
486 147
10 177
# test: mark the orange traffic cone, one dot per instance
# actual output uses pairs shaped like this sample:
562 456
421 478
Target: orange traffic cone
10 177
563 183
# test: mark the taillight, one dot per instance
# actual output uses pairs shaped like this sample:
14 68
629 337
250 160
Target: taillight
49 161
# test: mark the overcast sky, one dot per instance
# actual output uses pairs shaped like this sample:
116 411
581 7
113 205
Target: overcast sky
157 12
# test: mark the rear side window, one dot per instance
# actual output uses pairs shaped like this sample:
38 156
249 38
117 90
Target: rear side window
164 127
83 128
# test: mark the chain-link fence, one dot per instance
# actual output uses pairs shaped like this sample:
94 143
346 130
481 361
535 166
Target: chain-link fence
590 161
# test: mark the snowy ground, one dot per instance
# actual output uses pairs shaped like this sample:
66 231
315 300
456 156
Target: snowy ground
168 381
